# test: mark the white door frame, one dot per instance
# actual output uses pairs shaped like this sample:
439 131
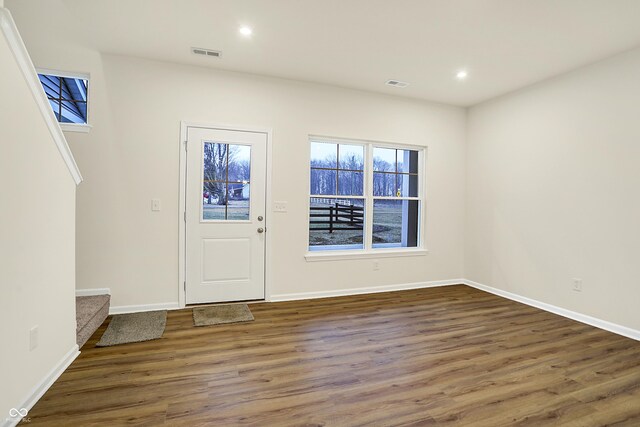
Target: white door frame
182 206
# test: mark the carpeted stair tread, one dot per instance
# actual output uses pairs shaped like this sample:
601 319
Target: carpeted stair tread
91 311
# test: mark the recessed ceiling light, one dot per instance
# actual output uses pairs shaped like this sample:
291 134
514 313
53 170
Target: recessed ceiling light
245 31
462 74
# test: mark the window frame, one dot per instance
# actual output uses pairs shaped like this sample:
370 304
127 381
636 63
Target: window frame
72 127
226 182
368 251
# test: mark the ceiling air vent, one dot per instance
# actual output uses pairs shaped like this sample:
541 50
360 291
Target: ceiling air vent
396 83
206 52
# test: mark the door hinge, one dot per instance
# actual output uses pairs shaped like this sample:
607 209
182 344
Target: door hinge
184 216
184 285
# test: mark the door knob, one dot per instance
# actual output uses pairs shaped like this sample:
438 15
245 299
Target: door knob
260 230
260 218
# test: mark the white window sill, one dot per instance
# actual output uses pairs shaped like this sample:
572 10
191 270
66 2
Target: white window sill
75 127
374 253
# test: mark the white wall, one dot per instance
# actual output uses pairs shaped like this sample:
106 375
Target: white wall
37 262
550 177
131 156
552 184
549 180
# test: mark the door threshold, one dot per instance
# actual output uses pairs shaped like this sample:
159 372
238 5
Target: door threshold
207 304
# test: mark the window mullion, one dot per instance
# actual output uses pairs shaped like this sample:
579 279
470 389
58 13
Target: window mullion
422 194
337 169
368 192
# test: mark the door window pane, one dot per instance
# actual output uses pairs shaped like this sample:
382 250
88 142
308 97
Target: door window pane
226 182
395 223
239 163
336 224
238 205
215 163
211 210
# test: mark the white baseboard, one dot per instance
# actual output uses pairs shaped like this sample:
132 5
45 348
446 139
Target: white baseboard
123 309
92 292
39 390
583 318
366 290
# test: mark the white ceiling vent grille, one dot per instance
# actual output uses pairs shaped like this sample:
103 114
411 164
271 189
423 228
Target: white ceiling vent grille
396 83
206 52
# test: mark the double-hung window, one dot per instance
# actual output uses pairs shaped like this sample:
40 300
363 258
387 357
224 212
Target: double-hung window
365 196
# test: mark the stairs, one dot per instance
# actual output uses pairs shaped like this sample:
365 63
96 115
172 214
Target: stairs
91 311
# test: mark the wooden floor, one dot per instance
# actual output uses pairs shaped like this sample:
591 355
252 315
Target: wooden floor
440 356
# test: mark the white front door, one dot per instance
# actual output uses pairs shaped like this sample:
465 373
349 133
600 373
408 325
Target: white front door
225 215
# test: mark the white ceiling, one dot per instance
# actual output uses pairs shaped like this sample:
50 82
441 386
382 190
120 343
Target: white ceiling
505 44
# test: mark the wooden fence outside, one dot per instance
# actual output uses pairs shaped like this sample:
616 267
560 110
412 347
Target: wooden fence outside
337 217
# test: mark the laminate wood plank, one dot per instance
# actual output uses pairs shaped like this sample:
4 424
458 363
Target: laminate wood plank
441 356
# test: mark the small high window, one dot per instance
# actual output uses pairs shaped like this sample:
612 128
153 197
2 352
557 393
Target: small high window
68 97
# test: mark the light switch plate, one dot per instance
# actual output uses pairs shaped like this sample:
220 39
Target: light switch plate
155 205
279 206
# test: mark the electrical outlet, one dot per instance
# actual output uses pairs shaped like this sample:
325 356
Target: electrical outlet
376 265
577 285
280 206
155 205
33 338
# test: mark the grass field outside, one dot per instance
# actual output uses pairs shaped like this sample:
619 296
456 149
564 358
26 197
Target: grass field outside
236 210
387 223
387 228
